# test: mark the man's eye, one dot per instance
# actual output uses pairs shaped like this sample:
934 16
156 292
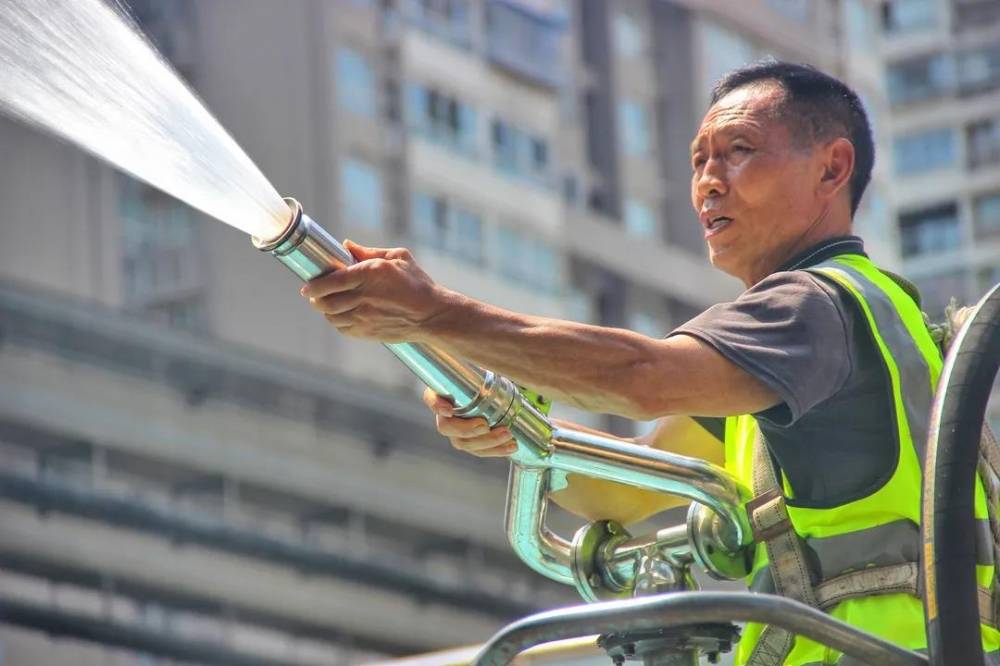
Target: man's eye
742 148
698 162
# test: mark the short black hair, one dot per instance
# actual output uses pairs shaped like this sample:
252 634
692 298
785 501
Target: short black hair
817 107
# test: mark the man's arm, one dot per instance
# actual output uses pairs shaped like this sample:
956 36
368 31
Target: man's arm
610 370
599 369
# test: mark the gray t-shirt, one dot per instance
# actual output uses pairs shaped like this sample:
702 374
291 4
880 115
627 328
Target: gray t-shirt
831 435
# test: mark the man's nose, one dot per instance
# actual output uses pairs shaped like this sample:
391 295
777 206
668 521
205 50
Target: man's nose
712 182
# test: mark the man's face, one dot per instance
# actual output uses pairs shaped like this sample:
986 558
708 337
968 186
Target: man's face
754 190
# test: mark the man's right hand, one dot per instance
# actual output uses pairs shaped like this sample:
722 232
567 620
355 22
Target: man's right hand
470 435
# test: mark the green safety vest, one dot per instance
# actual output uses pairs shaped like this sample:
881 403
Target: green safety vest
863 555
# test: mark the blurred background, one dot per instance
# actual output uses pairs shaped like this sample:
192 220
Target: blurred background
194 463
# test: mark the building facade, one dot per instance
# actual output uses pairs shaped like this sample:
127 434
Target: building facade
942 69
198 469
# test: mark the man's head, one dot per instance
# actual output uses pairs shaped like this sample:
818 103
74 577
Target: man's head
780 162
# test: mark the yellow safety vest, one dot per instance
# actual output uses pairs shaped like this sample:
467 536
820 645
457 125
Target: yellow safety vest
878 532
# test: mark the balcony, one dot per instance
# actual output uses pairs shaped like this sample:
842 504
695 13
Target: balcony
524 42
969 15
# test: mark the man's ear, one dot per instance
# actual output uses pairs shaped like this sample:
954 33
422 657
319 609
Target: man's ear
838 166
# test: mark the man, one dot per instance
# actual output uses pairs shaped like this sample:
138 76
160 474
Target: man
812 386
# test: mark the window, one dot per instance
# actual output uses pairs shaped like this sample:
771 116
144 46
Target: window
796 10
930 230
899 16
630 42
539 155
170 26
639 220
983 141
723 52
986 278
919 79
355 83
445 19
937 291
860 24
978 70
428 220
442 118
580 306
634 129
504 145
163 272
986 216
926 151
528 260
646 324
570 189
974 14
361 194
467 236
439 224
524 41
518 153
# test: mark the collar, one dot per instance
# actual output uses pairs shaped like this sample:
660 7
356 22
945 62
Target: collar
820 252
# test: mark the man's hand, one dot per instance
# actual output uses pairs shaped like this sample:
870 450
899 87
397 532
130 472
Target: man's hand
385 296
470 435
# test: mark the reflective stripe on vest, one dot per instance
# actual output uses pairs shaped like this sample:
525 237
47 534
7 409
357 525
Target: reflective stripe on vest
897 542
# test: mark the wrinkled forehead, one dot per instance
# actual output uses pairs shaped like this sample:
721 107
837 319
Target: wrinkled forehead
757 104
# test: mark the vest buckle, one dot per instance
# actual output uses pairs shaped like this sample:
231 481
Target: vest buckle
768 515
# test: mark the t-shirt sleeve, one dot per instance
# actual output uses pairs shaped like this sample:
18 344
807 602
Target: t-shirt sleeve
790 331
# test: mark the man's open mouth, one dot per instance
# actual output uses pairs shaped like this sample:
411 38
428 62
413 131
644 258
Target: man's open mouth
718 223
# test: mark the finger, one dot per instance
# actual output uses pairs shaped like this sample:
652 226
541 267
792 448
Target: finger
497 438
362 252
465 428
345 279
343 320
437 404
496 451
337 303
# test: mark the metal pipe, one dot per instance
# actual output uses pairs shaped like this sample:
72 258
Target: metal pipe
541 549
310 252
613 459
686 608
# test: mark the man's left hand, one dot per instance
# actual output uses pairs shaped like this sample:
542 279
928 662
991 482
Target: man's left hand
384 296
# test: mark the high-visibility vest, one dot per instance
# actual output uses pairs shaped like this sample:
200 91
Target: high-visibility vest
863 554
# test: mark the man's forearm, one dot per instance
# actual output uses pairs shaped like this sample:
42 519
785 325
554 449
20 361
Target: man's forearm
590 367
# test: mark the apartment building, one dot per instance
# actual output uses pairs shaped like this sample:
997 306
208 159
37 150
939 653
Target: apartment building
942 69
195 467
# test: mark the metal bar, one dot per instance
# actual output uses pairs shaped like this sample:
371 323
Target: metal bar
536 545
685 608
645 467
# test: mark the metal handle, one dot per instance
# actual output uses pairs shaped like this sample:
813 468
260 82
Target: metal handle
687 608
310 252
